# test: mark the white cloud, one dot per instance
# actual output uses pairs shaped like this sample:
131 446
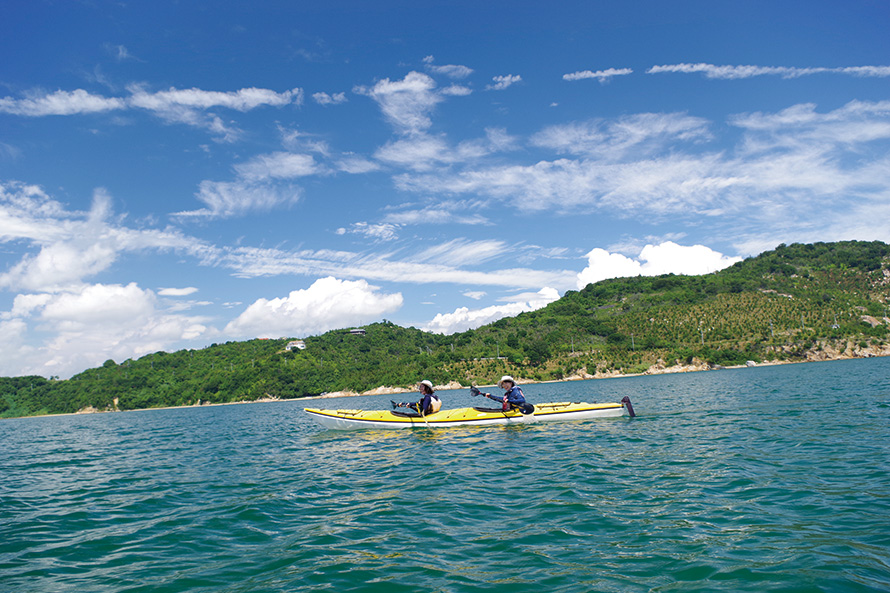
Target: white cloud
377 232
257 187
456 90
451 71
791 174
406 103
241 100
424 152
326 99
503 82
119 52
89 325
600 75
738 72
186 106
61 264
631 135
419 152
277 165
356 165
250 262
459 252
654 260
71 246
226 199
327 304
464 318
75 102
448 212
177 291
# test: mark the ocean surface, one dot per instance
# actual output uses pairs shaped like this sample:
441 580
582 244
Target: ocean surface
756 479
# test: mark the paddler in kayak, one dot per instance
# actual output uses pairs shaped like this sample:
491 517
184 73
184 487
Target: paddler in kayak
513 396
428 404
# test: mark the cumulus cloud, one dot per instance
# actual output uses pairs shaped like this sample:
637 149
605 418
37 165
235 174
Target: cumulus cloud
464 318
329 303
654 260
600 75
89 325
738 72
503 82
405 103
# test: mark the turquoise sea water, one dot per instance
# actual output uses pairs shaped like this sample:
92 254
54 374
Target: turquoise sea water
758 479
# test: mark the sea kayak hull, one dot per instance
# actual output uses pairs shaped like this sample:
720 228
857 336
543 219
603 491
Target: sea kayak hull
549 412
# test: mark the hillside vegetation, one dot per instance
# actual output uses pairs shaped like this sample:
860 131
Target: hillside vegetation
798 302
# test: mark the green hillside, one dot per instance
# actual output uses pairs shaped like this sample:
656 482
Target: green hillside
795 303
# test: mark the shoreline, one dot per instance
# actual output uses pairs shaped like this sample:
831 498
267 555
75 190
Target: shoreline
455 386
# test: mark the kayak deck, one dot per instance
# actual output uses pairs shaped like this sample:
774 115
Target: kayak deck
547 412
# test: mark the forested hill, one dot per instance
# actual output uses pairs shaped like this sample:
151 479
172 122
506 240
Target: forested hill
798 302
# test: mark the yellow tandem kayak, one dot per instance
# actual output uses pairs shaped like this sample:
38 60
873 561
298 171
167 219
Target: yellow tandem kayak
549 412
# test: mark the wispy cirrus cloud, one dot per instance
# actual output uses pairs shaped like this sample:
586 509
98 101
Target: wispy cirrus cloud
443 212
600 75
77 102
69 247
261 184
449 70
251 262
615 139
226 199
383 231
739 72
797 171
187 106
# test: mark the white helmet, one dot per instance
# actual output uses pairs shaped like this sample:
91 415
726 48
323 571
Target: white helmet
504 379
427 383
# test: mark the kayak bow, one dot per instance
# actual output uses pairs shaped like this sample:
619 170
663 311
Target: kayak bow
549 412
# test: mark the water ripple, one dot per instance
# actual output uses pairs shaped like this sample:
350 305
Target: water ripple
766 479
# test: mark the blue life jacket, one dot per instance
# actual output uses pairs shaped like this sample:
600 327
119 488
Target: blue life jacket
515 396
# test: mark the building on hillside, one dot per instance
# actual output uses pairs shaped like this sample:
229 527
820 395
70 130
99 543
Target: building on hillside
296 344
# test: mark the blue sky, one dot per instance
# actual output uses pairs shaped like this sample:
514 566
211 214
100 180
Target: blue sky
174 174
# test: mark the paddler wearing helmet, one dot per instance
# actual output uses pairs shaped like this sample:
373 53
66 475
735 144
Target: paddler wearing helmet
428 404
